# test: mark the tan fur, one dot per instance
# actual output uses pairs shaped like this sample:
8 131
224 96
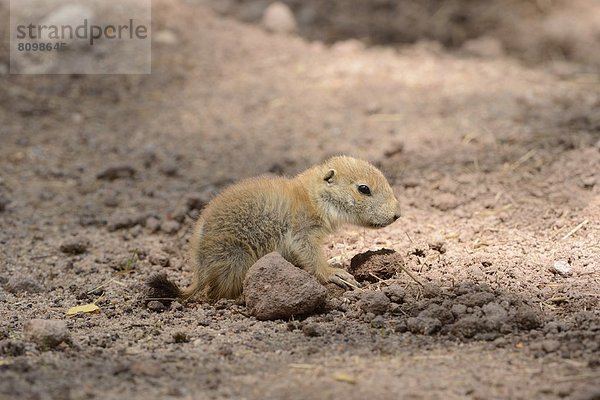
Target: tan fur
292 216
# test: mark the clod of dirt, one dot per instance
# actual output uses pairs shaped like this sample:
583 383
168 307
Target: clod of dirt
279 18
550 345
424 325
156 306
11 348
74 246
374 302
169 167
562 268
475 298
395 293
276 289
438 245
180 337
312 330
170 226
125 221
445 201
371 265
117 171
152 224
20 283
46 333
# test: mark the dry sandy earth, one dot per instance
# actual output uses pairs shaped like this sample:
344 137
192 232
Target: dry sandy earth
495 164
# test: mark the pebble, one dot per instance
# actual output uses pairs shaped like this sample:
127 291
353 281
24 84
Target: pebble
20 283
279 18
170 226
152 224
46 333
125 221
155 305
375 302
169 167
74 246
276 289
117 171
562 268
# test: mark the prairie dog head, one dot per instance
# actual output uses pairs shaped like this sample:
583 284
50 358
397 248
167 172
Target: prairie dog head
354 191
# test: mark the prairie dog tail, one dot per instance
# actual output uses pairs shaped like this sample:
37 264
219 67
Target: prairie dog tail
165 290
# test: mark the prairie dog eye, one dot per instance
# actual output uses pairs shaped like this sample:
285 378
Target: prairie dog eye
364 189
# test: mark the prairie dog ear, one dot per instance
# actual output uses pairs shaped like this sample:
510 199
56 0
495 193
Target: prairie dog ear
330 176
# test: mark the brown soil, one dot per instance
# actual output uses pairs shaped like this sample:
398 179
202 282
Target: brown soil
495 163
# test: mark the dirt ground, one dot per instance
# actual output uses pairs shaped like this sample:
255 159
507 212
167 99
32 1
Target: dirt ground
494 157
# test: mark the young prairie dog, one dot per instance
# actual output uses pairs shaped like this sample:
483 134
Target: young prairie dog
292 216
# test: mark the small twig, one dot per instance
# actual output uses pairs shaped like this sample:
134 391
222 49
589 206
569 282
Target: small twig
574 230
414 278
408 236
376 277
351 285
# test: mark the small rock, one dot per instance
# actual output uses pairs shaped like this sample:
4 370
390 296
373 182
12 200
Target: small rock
165 36
46 333
311 330
125 221
152 224
274 288
176 306
75 246
378 322
117 171
20 283
458 309
438 245
170 226
111 200
562 268
279 18
155 305
445 201
395 293
169 167
180 337
589 182
374 301
550 345
159 259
